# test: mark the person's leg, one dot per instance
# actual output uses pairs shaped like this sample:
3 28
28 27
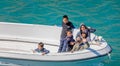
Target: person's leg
81 46
65 46
86 45
77 47
74 48
69 48
61 45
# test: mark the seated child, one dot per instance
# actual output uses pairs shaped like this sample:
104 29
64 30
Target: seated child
77 45
64 44
41 49
85 40
81 43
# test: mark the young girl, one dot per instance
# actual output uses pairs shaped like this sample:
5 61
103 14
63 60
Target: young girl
81 43
85 40
76 47
83 29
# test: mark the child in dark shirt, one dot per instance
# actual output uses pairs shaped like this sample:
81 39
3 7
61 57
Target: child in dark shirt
41 49
64 44
66 26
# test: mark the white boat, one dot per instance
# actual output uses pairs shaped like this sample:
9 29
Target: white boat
18 40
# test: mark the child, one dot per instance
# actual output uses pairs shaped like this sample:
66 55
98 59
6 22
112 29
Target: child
77 45
64 44
83 28
85 41
66 26
41 49
81 42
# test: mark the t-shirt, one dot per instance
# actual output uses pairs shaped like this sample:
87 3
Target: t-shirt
42 50
66 27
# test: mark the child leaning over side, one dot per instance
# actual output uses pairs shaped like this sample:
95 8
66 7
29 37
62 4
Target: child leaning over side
41 49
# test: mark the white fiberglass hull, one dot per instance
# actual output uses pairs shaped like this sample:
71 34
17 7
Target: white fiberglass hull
18 40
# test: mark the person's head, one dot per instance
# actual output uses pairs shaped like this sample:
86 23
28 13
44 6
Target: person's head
69 33
65 19
40 45
83 27
83 34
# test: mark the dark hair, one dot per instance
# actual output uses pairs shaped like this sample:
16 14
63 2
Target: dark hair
41 44
65 16
69 31
84 26
84 33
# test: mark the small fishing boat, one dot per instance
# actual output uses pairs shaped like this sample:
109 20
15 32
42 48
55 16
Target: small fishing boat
18 40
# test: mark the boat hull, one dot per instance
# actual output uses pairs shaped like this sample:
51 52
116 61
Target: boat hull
21 36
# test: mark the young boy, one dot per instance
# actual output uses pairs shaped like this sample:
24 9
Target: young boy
66 26
64 44
41 49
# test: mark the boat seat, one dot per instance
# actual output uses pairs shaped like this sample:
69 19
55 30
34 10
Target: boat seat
10 49
28 39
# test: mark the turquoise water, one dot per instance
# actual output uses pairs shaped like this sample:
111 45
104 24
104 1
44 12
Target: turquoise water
104 15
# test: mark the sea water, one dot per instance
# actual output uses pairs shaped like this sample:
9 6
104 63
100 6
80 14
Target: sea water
104 15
